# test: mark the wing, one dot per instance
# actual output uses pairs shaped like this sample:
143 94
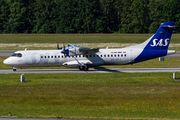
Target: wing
74 50
88 50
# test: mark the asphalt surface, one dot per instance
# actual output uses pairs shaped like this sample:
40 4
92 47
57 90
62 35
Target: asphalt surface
103 70
7 53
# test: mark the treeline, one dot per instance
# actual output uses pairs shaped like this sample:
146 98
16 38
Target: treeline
86 16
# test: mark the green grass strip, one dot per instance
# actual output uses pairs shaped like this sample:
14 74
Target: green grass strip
78 38
109 96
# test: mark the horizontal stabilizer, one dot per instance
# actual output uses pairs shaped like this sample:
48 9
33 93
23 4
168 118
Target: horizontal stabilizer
171 52
168 26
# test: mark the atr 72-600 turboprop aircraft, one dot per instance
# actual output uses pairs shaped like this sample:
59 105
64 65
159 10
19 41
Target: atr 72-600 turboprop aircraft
84 58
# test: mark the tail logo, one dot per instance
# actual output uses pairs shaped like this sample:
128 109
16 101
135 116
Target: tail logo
160 43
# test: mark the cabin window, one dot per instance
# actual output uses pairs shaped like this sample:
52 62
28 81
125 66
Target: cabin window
104 55
94 56
54 56
51 56
121 55
125 55
114 55
101 55
58 56
44 56
111 55
108 55
118 55
86 55
89 55
41 56
79 55
62 56
48 56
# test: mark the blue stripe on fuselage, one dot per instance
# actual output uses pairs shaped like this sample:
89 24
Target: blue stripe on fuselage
150 54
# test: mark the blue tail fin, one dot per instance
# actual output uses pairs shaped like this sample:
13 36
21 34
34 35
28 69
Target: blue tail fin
161 40
157 45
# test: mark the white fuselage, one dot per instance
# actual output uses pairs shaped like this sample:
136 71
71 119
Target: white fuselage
56 58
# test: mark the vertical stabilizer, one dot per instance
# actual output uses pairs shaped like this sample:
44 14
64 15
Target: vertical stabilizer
157 45
161 39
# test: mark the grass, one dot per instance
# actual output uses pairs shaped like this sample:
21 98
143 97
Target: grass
72 38
79 38
48 41
106 96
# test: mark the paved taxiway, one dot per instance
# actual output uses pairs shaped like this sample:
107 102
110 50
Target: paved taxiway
102 70
7 53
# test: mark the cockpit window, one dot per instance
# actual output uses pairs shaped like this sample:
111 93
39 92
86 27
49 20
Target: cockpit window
17 55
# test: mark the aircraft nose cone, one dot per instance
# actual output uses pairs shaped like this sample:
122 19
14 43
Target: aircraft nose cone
5 61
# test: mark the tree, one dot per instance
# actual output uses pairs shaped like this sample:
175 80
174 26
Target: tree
86 16
139 16
4 16
18 18
156 14
44 16
112 14
172 13
90 13
126 18
79 16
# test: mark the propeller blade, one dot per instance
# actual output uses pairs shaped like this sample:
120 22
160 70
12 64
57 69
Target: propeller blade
57 45
64 50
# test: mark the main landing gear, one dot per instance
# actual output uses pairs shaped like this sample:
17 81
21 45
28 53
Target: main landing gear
84 67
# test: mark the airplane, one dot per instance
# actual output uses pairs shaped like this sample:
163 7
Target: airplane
83 58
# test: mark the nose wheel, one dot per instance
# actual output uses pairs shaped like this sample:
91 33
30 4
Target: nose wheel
14 69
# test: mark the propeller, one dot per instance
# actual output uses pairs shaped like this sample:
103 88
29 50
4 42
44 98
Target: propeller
57 45
64 50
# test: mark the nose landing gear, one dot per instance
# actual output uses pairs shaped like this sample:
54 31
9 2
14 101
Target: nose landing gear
14 69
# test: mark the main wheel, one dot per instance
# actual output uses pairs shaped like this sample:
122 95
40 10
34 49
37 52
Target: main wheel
86 68
81 67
